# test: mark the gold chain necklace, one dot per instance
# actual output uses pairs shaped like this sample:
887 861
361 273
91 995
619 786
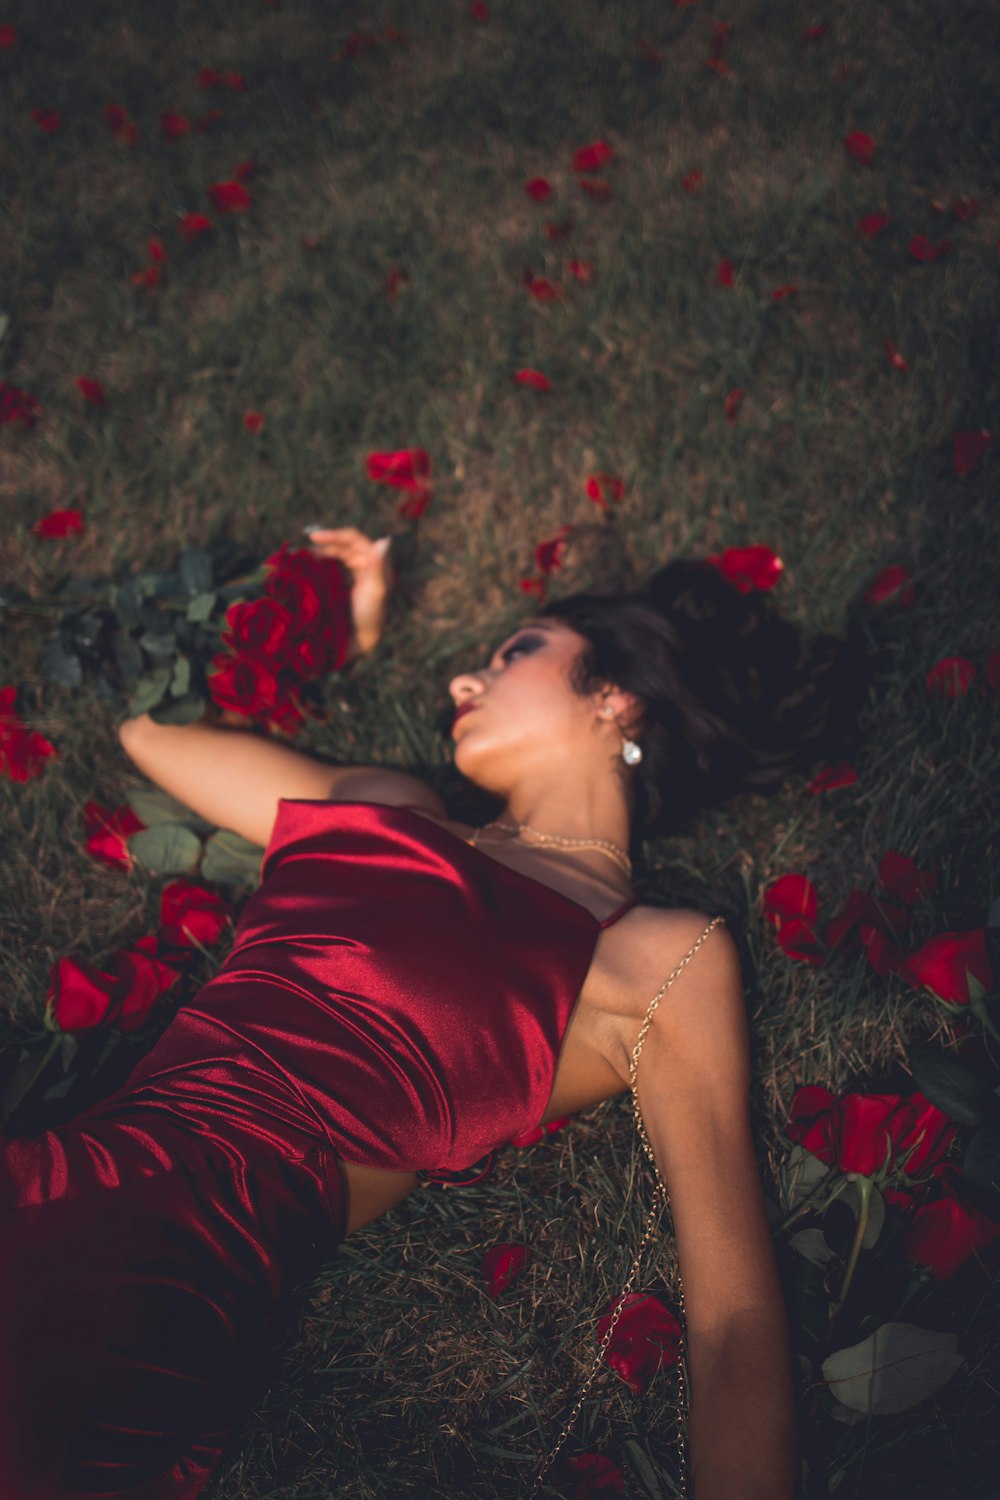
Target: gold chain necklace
602 846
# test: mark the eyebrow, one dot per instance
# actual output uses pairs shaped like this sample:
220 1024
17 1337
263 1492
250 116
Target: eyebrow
546 625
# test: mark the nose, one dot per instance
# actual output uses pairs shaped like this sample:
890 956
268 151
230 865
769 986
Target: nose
465 686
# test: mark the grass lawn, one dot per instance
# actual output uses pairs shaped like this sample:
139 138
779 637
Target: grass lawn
728 326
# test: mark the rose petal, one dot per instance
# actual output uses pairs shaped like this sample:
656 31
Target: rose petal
59 523
951 677
582 270
894 357
503 1264
190 914
543 290
749 568
602 488
901 878
693 182
724 274
106 833
646 1339
830 777
791 896
860 147
404 468
870 226
253 421
549 554
538 189
230 197
192 225
47 120
921 249
91 390
968 448
533 378
893 585
943 966
597 1475
732 404
782 293
173 125
593 157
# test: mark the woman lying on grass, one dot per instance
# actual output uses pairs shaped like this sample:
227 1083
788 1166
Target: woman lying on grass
406 993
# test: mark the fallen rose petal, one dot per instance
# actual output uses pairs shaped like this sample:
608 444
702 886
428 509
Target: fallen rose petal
533 586
539 188
253 421
749 568
782 293
797 939
894 357
860 147
597 1476
721 32
207 120
870 226
245 170
106 833
693 182
23 751
174 126
543 290
47 120
533 378
208 78
60 523
893 585
968 448
598 189
601 488
405 468
724 274
193 225
80 997
393 281
149 276
965 208
18 407
581 270
235 82
593 157
8 37
190 914
883 954
549 554
91 390
943 1235
791 897
479 10
951 677
921 249
230 197
502 1264
830 777
902 879
731 405
647 1338
944 963
415 503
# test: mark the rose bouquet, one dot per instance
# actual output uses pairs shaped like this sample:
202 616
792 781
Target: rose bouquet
253 641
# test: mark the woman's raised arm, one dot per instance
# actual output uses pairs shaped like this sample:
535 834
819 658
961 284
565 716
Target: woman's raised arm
693 1084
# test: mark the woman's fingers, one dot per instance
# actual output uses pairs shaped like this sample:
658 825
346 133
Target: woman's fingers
367 562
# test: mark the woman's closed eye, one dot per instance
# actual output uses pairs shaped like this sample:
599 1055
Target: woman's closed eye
522 645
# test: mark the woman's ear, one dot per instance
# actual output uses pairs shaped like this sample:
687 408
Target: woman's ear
624 709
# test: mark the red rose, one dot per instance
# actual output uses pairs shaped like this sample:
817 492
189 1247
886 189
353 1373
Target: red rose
862 1132
539 189
59 523
81 997
647 1338
260 628
191 915
549 554
592 158
142 979
243 685
405 469
943 965
893 585
230 197
502 1265
944 1234
749 568
951 677
107 833
23 752
314 591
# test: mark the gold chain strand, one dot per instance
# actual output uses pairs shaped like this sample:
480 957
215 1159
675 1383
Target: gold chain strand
661 1201
602 846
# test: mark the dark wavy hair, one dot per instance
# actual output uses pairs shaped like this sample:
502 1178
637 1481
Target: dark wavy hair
734 697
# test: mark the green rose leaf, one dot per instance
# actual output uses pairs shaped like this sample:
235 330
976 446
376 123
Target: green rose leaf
231 860
128 659
958 1090
982 1156
149 690
159 644
166 849
899 1366
195 568
200 608
812 1245
186 710
126 601
62 665
801 1173
155 806
180 682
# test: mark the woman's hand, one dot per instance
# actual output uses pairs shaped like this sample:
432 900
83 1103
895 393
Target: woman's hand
371 577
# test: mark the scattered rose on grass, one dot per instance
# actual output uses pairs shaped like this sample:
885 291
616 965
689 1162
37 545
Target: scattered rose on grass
581 270
533 378
106 833
597 1476
943 966
895 359
946 1233
405 468
47 120
693 182
503 1264
539 188
951 677
81 997
479 10
731 405
593 157
23 751
724 273
18 408
8 37
894 585
791 905
830 777
192 226
782 293
748 568
173 125
253 421
230 197
542 289
91 390
860 147
549 554
191 915
647 1338
902 879
602 488
921 249
870 226
863 1132
598 189
967 449
60 523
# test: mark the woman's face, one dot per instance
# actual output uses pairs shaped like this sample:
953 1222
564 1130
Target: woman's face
520 713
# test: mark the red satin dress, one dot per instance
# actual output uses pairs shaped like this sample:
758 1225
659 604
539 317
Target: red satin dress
394 997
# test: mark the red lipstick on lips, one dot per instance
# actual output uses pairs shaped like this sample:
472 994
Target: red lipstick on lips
466 708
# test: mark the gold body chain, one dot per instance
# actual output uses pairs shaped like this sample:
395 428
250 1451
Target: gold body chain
661 1201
